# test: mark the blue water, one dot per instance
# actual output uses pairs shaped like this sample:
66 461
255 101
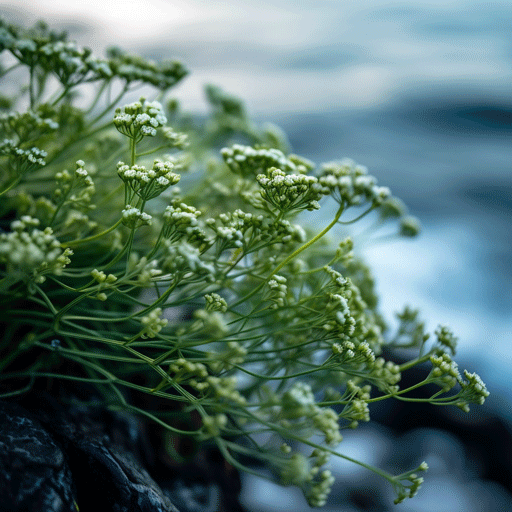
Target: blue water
418 91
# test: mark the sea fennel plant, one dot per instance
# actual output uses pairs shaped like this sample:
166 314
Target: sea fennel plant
219 296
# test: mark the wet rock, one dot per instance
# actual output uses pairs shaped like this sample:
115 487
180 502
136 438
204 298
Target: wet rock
34 474
101 448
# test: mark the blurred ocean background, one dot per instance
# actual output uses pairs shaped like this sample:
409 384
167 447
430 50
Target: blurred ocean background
421 93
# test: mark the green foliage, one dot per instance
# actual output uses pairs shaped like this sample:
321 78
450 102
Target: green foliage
219 296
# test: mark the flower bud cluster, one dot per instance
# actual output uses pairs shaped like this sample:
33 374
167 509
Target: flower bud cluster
34 252
139 119
184 257
134 218
241 229
344 253
76 189
153 323
409 226
298 403
248 161
319 491
409 491
145 270
224 389
233 354
446 339
180 220
132 68
54 54
148 184
362 324
214 302
213 425
473 391
351 184
212 322
347 353
27 126
338 316
386 375
357 408
22 160
175 139
278 291
326 421
445 372
226 237
71 64
289 192
316 485
104 281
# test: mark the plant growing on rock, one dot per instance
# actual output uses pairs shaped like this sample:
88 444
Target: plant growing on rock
144 251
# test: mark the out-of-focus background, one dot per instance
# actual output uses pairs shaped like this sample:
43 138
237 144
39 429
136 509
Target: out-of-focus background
420 91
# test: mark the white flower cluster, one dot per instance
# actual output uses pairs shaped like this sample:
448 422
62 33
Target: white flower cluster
184 258
27 126
351 184
134 218
180 220
226 237
153 323
148 184
247 161
33 253
176 139
72 64
133 68
338 315
289 192
212 322
22 160
140 119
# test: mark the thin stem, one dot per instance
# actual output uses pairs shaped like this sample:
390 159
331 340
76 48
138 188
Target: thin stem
293 255
74 243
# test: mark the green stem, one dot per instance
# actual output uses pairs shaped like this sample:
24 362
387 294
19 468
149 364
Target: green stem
293 255
74 243
11 186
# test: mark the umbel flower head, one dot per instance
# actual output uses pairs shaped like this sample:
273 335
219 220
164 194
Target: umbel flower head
256 320
140 119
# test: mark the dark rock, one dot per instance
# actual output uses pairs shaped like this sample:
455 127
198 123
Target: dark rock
34 474
102 451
